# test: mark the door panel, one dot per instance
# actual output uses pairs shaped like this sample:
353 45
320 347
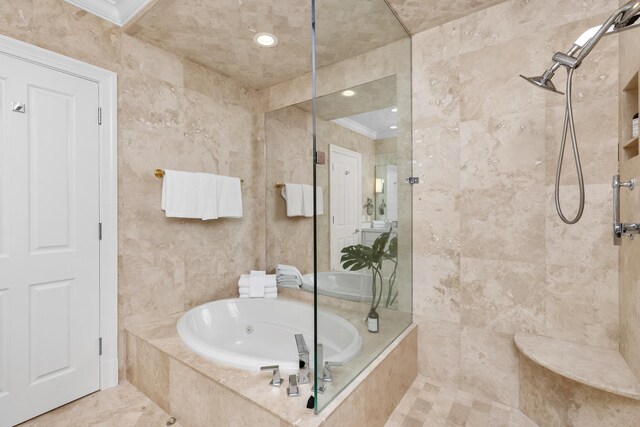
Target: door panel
49 274
50 324
51 169
345 181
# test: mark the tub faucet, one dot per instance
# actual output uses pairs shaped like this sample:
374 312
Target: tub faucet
326 376
276 381
303 360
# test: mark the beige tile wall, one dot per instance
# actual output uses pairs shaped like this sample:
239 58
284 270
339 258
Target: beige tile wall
491 256
173 114
630 205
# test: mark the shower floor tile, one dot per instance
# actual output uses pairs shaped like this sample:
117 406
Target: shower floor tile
427 404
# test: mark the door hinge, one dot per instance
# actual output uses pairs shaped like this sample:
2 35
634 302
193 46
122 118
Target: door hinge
99 115
413 180
99 231
100 346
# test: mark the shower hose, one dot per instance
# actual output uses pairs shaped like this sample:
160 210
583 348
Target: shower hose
569 129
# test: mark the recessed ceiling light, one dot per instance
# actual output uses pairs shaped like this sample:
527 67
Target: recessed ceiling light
348 93
393 127
394 110
265 40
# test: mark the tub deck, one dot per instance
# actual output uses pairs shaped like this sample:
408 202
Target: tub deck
199 392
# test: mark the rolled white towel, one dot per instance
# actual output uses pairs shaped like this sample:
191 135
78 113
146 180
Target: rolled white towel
287 269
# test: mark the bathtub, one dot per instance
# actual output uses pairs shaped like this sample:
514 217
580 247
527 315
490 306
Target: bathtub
250 333
353 286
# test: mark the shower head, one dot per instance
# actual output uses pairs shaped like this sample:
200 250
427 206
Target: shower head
628 18
542 82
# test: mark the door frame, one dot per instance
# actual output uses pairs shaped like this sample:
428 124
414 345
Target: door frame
108 140
344 151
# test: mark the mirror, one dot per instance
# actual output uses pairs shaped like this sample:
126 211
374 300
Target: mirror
357 131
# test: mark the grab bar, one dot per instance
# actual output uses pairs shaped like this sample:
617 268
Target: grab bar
621 229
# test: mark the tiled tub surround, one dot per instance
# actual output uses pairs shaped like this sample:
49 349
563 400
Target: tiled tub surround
199 392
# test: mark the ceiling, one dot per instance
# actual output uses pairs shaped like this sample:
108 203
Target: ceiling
373 124
420 15
368 112
219 33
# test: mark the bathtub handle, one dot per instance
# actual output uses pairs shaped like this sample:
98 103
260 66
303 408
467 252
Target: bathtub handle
327 370
303 360
292 390
276 381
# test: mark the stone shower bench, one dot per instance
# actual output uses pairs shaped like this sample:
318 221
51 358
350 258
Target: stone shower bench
601 368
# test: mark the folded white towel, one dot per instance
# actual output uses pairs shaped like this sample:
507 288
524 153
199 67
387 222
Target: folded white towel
319 201
270 281
287 269
209 195
181 194
229 194
257 281
292 193
245 291
307 200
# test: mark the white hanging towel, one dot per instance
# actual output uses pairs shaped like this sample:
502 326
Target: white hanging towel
307 200
229 197
292 193
209 195
181 195
319 201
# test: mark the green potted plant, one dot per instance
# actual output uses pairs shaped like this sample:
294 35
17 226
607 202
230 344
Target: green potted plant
360 257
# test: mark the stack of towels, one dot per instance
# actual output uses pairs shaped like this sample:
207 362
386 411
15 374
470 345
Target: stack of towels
299 199
201 195
258 284
287 276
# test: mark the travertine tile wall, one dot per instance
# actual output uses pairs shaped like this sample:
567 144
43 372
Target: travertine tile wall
172 114
491 256
288 134
630 206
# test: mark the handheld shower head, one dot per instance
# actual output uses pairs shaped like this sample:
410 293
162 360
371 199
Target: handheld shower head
542 82
626 17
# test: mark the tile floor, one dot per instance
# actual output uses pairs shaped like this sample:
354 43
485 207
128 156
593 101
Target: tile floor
121 406
424 404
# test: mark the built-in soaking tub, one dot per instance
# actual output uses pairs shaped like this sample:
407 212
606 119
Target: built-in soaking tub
353 286
251 333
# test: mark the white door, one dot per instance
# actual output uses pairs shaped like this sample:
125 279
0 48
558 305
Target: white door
49 248
345 199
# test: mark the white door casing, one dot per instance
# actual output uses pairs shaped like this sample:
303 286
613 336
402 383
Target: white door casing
63 209
345 192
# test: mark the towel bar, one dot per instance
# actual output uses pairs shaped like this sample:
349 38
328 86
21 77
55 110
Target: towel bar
159 173
279 185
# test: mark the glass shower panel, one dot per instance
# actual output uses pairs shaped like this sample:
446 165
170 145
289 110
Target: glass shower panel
363 222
